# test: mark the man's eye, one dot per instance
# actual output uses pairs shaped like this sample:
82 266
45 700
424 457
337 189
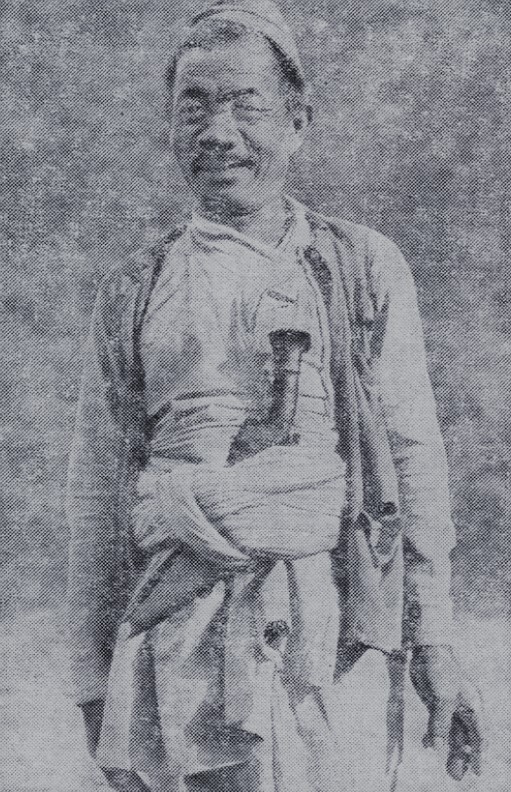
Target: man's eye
249 110
249 105
192 108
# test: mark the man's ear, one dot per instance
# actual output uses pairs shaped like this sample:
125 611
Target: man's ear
302 117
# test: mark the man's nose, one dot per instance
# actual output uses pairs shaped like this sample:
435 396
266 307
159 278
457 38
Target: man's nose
221 131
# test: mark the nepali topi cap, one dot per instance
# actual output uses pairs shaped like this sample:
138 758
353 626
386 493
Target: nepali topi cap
261 16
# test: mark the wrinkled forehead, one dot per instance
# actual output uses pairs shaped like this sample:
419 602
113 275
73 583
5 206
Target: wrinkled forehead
249 64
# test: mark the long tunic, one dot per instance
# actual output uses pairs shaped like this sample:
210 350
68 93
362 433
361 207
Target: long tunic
207 362
97 478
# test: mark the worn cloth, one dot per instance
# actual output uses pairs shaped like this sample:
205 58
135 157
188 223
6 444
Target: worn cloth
283 504
363 279
330 739
264 505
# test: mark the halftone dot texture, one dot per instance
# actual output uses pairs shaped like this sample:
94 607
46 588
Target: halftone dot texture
264 17
411 137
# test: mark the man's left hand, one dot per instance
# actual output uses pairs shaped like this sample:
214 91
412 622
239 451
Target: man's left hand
454 706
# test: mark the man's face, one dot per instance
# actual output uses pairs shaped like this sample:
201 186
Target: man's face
232 131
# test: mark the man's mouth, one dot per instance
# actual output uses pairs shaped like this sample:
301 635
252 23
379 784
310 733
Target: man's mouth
202 164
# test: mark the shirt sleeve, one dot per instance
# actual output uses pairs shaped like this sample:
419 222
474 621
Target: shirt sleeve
418 453
92 500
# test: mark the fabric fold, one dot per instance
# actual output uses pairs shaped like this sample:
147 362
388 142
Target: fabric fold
285 504
247 602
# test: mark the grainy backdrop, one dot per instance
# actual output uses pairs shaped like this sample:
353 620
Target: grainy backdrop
412 136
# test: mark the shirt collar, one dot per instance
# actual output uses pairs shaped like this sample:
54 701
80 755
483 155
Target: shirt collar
297 236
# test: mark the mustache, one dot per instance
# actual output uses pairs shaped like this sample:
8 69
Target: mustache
216 162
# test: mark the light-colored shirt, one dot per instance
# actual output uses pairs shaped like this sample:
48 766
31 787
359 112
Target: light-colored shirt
205 346
207 364
410 418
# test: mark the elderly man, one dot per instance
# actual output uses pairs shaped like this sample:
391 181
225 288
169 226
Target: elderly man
258 487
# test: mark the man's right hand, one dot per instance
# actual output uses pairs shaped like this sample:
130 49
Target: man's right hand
455 726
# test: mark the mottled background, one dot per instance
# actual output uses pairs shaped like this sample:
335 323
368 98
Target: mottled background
412 136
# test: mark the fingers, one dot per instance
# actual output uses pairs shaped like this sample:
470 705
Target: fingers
462 750
457 766
467 729
460 753
455 710
466 741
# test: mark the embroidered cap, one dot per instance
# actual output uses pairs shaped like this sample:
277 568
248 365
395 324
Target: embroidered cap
262 17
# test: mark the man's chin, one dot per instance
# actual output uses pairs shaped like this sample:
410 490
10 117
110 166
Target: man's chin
227 195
